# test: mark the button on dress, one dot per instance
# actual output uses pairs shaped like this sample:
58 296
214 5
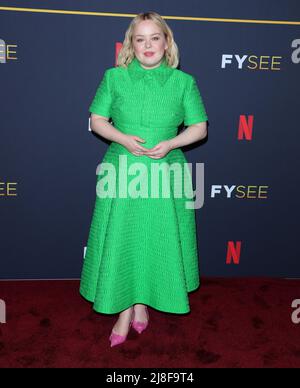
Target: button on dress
143 248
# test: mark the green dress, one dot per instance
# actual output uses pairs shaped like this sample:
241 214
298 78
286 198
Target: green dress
143 249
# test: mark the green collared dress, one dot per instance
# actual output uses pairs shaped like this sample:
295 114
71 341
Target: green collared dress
142 246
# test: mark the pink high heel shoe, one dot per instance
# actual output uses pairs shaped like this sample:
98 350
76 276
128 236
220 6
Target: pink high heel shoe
140 326
117 339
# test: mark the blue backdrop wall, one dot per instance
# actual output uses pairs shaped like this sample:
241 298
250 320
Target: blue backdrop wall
246 60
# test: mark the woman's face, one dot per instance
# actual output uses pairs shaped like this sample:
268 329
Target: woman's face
149 44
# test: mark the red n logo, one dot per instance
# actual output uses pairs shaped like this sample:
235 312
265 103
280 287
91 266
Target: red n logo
233 252
245 127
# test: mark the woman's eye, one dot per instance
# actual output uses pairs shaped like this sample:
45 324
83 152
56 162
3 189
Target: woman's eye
140 40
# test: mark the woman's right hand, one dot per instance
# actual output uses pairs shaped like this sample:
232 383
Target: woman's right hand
131 143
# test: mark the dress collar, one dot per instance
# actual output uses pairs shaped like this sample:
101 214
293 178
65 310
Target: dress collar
161 73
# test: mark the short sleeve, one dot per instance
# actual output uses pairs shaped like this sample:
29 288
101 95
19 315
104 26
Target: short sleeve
194 109
101 103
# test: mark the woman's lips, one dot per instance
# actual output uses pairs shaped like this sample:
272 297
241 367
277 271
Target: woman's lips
148 54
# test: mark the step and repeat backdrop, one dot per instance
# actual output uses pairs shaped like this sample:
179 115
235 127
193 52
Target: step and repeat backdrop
246 60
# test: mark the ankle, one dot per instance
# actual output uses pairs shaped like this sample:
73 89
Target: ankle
126 313
139 306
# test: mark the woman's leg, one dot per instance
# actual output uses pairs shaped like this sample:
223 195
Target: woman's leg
140 313
121 327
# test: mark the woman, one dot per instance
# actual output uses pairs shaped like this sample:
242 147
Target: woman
142 250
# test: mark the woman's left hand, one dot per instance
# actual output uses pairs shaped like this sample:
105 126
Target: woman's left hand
160 150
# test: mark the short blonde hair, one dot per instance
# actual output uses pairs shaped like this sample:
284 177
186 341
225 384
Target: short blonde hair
126 54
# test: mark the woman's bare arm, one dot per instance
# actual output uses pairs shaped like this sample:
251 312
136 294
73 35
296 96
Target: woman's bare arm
190 135
101 126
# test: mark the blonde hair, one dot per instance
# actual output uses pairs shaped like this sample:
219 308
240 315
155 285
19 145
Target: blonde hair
126 54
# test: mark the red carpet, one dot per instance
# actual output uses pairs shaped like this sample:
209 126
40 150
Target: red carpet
233 323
